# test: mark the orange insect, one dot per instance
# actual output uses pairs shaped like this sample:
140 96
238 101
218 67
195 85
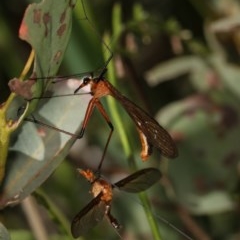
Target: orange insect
102 192
150 132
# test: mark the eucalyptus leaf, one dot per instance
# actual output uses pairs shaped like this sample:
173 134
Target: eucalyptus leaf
228 73
212 203
208 149
172 69
36 151
46 26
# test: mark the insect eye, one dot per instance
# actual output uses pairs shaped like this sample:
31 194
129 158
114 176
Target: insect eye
86 80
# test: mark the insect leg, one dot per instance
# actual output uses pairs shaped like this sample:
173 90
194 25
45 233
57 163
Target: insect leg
111 219
34 120
85 121
104 114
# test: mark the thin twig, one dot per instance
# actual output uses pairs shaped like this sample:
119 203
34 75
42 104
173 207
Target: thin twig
31 211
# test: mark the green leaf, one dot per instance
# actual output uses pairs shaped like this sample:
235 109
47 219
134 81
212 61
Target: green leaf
46 26
208 149
172 69
228 73
212 203
37 150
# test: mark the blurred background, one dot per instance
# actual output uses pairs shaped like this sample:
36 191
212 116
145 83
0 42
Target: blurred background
179 60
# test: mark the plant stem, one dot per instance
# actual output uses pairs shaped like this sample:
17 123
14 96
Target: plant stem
29 207
54 212
123 135
27 65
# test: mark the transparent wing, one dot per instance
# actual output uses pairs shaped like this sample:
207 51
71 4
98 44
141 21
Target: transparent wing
139 181
88 217
155 134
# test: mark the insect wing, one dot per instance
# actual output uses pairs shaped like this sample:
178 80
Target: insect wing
140 180
155 135
88 217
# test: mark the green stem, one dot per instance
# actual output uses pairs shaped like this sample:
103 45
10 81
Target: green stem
151 219
54 212
8 126
118 122
4 142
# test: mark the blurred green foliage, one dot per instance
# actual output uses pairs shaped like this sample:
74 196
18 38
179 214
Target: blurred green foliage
180 55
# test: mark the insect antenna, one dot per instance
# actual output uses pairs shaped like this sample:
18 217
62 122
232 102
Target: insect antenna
102 73
102 41
173 227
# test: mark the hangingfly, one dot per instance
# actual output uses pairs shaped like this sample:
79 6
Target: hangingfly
150 132
102 192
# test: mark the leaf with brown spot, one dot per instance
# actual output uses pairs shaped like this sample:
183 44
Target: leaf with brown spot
33 157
